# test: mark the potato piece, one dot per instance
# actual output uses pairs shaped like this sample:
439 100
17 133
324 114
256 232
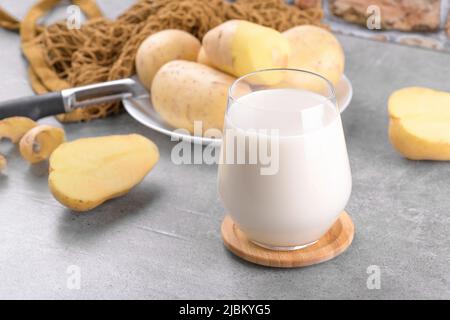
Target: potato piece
239 47
184 92
419 125
2 163
15 127
87 172
416 101
38 144
162 47
317 50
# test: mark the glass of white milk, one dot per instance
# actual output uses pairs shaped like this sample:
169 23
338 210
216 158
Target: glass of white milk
284 175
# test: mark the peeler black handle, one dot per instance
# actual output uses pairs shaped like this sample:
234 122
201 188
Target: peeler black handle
34 107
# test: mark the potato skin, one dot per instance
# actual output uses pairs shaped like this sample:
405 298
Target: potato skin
48 138
217 45
162 47
183 92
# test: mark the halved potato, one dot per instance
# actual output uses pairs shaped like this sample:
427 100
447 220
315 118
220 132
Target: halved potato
419 126
87 172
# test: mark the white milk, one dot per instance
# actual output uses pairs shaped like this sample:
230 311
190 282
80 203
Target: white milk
298 204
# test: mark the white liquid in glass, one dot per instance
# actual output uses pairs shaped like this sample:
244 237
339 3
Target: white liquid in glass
298 204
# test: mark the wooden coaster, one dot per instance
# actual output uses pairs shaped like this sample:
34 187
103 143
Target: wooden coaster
332 244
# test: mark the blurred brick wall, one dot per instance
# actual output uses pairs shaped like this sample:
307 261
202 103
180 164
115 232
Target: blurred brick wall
423 23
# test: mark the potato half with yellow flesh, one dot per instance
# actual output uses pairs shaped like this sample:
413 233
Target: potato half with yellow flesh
419 126
87 172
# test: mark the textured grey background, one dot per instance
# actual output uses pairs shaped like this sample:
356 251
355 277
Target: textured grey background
437 39
162 240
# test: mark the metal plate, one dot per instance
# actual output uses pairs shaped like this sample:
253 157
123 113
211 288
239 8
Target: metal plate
142 110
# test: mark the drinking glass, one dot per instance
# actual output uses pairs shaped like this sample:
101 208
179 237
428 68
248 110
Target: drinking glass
284 175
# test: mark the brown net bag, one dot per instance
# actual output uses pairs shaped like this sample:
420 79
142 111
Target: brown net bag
105 50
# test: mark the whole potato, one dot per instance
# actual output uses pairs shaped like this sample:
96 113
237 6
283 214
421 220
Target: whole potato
183 92
317 50
162 47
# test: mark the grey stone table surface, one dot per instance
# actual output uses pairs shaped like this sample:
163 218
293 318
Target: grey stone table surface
162 240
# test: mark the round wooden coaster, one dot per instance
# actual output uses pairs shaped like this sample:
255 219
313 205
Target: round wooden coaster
332 244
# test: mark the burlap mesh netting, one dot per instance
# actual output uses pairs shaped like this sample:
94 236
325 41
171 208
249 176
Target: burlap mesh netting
105 49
